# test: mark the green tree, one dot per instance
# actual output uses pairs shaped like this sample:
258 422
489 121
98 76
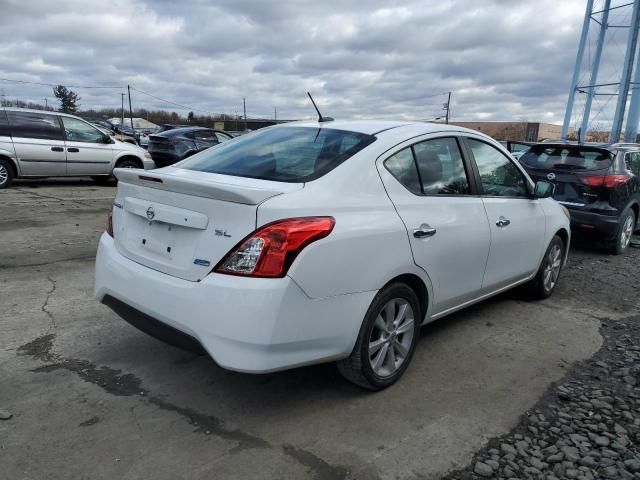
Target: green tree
68 99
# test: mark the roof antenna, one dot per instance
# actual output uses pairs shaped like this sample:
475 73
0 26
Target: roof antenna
320 117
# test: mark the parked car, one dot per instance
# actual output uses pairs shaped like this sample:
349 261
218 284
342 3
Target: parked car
171 146
34 143
171 126
315 242
597 183
114 134
143 134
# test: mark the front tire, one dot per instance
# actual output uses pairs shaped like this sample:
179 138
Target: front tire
6 174
546 280
387 339
619 244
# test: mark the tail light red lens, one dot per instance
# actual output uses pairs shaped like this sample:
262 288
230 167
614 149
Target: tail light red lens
606 181
270 250
109 226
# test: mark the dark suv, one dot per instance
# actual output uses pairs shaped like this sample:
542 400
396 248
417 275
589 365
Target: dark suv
599 184
171 146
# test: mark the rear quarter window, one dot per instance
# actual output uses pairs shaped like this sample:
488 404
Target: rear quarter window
283 154
35 125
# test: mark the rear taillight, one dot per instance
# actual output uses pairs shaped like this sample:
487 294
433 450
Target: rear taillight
109 226
270 250
606 181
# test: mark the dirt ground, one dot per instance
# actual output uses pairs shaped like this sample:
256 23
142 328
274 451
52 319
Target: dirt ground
93 398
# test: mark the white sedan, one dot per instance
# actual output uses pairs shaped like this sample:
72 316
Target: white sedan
326 241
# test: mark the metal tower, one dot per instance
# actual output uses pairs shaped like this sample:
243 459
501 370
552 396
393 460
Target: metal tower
601 17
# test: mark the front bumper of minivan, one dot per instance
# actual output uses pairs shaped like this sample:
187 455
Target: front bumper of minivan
254 325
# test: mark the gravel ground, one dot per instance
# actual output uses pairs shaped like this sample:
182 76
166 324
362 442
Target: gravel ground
587 426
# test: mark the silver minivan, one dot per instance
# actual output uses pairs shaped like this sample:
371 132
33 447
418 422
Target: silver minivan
36 143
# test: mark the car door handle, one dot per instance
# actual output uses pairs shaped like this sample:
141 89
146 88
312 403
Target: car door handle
503 222
73 149
57 149
424 231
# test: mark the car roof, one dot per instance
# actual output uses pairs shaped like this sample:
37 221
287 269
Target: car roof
374 127
50 112
178 131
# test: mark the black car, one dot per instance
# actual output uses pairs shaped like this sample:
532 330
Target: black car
599 185
171 146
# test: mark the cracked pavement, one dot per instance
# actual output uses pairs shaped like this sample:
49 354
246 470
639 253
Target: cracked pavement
92 397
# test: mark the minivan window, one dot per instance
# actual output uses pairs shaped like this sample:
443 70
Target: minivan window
566 158
35 125
4 124
283 154
79 131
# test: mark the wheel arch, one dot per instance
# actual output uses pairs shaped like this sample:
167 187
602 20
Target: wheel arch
416 284
12 164
129 157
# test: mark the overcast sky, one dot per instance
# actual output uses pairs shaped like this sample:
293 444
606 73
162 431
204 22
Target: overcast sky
502 59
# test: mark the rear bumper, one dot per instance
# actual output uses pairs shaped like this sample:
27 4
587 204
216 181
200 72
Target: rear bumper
245 324
164 159
588 221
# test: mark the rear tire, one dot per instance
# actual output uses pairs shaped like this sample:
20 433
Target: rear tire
6 174
620 242
128 164
386 341
546 280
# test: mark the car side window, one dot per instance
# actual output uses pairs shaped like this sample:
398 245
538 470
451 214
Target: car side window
632 161
403 167
206 136
79 131
35 125
499 176
441 167
222 137
4 124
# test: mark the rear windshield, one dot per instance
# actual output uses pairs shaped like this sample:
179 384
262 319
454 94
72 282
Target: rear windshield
283 154
566 158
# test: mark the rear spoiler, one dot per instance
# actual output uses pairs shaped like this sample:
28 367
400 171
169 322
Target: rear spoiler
248 191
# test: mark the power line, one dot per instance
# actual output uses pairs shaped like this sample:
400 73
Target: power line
173 103
55 84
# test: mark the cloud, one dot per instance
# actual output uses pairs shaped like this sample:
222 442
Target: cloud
378 59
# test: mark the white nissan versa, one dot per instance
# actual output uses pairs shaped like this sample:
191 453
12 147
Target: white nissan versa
319 241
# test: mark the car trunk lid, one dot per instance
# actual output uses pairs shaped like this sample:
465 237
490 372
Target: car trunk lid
182 222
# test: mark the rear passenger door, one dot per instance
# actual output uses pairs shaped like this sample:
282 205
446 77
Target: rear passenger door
428 183
516 220
38 141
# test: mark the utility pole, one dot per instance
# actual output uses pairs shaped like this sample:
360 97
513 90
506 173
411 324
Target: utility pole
244 106
633 117
122 110
275 114
130 109
46 104
448 107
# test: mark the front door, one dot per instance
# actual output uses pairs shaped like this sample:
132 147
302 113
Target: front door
447 225
38 141
516 220
87 152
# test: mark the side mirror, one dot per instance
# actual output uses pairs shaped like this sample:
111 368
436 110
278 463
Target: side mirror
107 139
544 189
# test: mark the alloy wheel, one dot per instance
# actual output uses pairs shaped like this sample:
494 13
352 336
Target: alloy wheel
4 175
391 337
552 267
627 232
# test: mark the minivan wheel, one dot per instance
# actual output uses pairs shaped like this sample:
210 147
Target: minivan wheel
618 244
546 280
6 174
386 341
